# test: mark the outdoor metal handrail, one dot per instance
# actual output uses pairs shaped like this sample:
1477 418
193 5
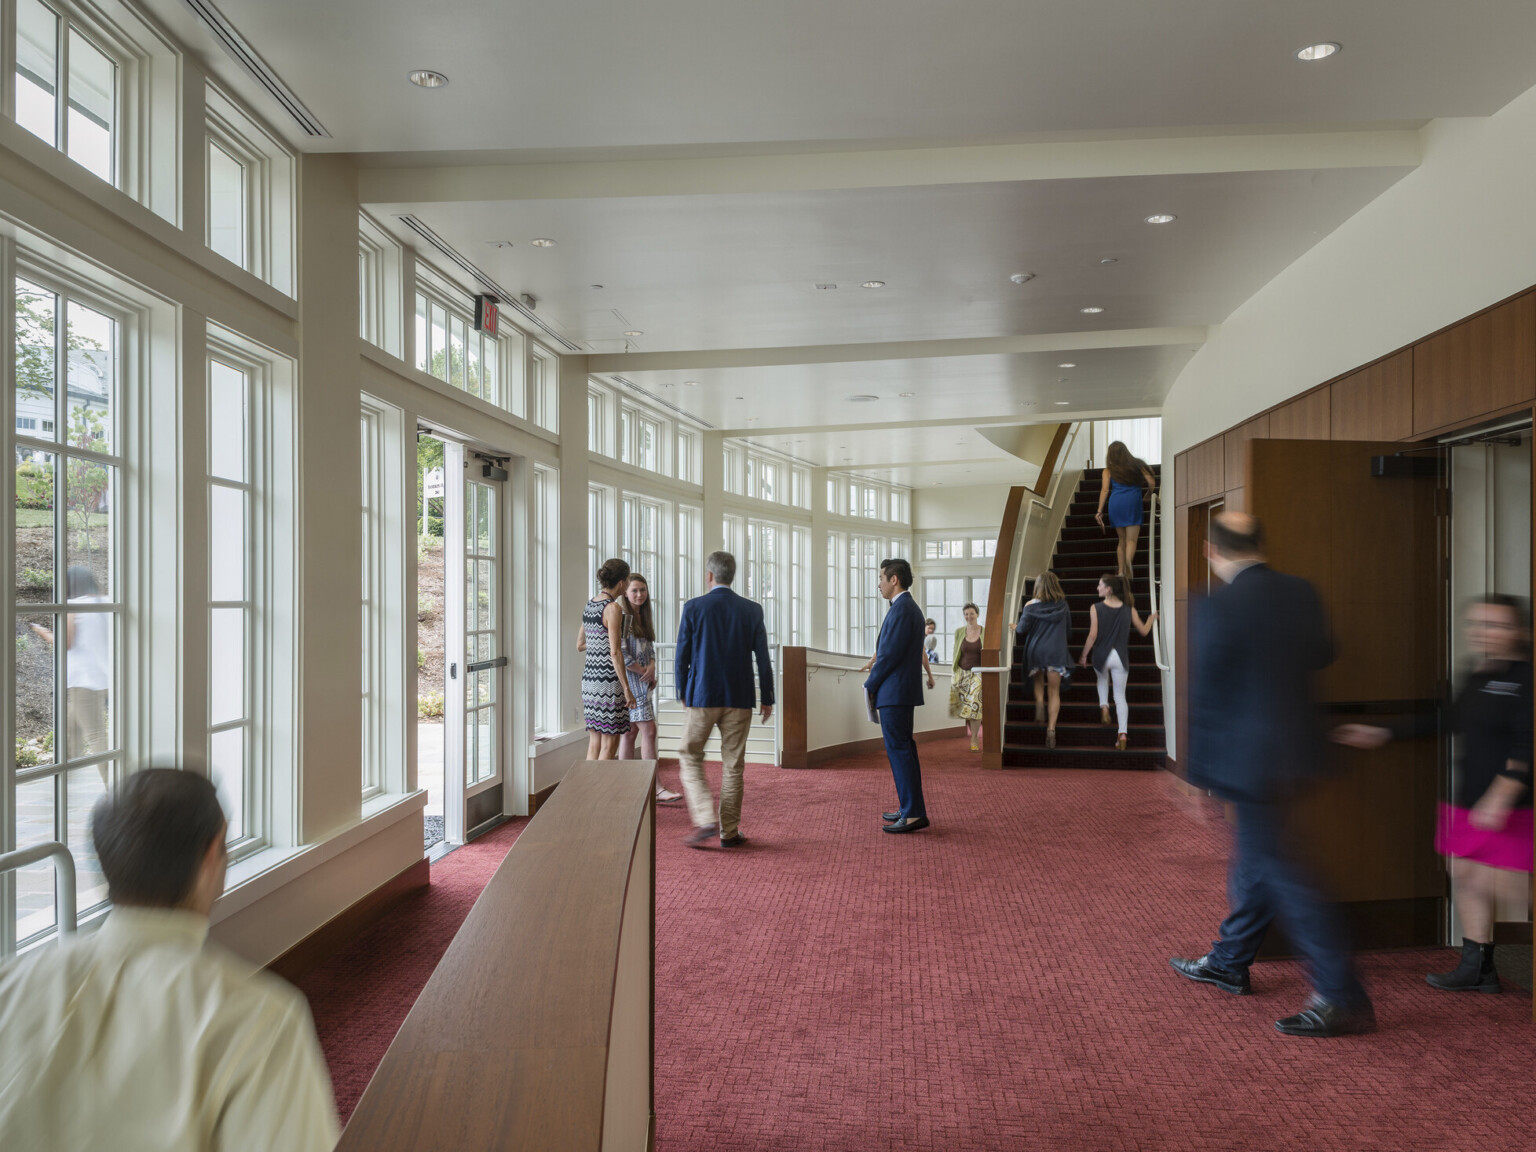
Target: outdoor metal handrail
64 890
1155 587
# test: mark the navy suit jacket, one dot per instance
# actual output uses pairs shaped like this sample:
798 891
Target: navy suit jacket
718 636
897 677
1255 731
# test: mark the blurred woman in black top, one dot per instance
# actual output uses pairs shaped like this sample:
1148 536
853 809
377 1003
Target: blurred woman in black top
1486 826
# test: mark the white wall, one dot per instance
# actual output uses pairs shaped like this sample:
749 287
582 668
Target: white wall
835 712
1451 238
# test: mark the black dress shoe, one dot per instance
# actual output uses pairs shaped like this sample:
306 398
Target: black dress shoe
890 817
735 840
913 823
1204 972
1322 1019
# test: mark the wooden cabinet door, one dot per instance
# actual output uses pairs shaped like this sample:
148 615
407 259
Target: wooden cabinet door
1375 549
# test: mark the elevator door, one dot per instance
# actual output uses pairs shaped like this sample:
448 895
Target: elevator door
1375 548
1490 546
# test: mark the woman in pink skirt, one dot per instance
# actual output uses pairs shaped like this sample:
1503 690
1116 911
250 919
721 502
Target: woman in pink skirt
1485 829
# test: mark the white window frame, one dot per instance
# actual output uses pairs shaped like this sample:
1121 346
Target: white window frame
272 754
544 580
385 705
271 187
146 132
381 316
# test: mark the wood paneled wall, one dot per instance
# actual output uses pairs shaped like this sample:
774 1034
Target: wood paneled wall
1481 367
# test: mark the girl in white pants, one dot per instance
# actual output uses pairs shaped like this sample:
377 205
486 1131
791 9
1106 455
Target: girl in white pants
1109 647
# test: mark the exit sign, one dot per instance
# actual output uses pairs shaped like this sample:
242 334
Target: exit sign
486 314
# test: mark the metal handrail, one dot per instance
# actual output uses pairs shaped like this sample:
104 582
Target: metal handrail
1155 585
64 890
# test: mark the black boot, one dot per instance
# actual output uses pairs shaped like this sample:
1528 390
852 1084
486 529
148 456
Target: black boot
1475 973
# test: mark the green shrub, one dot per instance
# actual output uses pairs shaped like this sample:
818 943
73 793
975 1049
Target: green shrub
34 486
425 605
421 659
36 578
38 750
429 705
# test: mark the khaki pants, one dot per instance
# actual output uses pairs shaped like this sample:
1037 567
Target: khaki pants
734 724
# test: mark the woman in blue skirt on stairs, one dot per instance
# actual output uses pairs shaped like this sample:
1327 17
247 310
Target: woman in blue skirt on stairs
1127 480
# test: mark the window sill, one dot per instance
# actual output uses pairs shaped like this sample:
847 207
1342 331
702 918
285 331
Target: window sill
261 874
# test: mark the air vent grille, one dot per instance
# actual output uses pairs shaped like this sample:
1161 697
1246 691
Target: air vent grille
633 387
237 47
451 254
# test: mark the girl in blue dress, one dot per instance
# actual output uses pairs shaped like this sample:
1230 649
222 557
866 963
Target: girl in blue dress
1127 480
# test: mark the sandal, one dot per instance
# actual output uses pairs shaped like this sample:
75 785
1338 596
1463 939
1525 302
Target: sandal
1120 743
664 796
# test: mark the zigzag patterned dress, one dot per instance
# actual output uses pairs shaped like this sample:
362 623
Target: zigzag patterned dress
602 700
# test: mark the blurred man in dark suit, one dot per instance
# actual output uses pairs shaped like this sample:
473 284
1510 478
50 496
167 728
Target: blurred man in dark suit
1255 739
895 688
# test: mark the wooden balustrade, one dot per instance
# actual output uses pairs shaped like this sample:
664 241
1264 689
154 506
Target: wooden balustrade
535 1031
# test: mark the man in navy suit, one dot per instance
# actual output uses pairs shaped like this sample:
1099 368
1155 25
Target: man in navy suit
717 638
1255 740
895 687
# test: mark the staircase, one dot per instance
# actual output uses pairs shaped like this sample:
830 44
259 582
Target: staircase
1083 554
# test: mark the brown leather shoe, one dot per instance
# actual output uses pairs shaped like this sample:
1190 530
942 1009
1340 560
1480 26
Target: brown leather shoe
735 840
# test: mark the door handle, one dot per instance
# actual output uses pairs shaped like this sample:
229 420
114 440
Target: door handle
453 671
480 666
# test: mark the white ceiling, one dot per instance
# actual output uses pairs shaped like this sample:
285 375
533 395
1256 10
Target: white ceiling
593 73
936 147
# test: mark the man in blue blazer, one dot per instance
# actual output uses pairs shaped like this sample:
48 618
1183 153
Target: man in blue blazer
718 637
895 687
1255 740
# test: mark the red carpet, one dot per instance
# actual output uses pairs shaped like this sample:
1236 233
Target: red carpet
361 995
997 982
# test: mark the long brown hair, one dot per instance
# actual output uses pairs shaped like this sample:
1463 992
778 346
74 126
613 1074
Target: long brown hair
640 620
1048 588
1119 588
1124 467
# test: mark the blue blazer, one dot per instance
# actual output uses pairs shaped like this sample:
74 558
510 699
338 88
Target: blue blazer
1255 731
896 680
718 636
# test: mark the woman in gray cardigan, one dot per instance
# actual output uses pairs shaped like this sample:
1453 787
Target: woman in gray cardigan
1042 629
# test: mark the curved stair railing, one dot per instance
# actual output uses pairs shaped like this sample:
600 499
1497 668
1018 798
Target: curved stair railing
1154 542
1032 520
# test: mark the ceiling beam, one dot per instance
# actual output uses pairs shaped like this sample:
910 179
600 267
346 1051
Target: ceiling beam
1172 154
972 421
690 361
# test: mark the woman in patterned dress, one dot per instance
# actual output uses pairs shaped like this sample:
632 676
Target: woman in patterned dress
965 684
606 698
639 649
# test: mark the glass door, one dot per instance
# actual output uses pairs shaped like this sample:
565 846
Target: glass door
477 665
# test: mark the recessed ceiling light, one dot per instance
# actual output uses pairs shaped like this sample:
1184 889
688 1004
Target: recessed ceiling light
874 283
1062 403
1091 310
1110 260
741 397
634 332
905 395
1022 277
826 287
690 383
543 242
1161 218
1317 51
425 78
595 287
862 398
1066 364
